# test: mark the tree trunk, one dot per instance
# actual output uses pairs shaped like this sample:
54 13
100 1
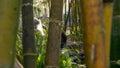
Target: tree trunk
115 36
54 35
94 33
9 18
108 8
73 10
28 41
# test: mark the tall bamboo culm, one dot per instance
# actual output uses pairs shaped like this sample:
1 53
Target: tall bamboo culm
9 18
94 36
28 38
108 11
52 59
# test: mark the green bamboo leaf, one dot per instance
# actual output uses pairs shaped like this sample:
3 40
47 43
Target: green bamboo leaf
118 62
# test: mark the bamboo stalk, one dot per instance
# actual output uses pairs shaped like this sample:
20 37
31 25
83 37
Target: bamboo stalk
9 18
28 40
92 14
108 9
54 35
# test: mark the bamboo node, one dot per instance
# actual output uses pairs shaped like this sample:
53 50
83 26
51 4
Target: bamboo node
58 22
34 54
27 4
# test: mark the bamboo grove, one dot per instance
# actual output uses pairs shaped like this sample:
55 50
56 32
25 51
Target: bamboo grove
94 22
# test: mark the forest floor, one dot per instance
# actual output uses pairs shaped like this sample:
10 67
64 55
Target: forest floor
76 50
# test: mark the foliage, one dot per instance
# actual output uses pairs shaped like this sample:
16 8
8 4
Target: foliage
66 61
19 48
41 49
118 62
